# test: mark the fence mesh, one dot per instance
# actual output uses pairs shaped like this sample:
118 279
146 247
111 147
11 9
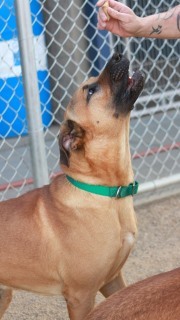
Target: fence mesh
68 49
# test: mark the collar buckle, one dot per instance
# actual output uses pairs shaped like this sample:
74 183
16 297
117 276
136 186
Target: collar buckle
118 193
134 187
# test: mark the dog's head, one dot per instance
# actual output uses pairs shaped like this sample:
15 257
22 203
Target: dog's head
97 117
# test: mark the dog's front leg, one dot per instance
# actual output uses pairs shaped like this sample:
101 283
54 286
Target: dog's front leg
118 282
5 299
113 286
79 308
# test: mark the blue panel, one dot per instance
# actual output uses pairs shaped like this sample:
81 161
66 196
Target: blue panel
12 105
8 28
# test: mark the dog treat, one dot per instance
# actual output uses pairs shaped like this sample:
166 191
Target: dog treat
105 6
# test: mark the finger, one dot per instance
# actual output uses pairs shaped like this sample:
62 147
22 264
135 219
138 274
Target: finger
101 24
124 17
101 15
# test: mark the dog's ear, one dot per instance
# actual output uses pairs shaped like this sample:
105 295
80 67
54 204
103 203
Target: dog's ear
71 138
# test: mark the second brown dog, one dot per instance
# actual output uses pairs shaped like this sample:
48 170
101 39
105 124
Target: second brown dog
155 298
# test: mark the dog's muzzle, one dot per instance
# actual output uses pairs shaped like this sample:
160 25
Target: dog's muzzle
125 89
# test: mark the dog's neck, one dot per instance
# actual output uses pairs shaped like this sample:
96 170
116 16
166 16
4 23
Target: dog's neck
99 164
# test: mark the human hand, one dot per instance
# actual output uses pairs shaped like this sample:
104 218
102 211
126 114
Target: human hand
122 22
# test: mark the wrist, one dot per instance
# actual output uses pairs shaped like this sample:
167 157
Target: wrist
141 27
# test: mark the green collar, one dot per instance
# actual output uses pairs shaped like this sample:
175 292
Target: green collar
113 192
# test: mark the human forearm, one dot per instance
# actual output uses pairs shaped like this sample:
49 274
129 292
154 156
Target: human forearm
165 25
125 23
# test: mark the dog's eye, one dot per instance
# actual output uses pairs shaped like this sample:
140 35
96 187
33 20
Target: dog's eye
91 90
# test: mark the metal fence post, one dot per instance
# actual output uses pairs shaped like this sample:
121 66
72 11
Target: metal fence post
30 81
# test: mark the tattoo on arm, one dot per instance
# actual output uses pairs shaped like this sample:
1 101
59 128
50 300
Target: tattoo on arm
168 14
157 30
178 21
165 15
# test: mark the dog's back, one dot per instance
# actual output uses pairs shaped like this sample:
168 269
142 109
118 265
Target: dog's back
155 298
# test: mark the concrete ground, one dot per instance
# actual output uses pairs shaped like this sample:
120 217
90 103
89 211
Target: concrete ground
156 250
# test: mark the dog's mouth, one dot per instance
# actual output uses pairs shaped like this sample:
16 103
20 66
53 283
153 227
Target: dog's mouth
126 89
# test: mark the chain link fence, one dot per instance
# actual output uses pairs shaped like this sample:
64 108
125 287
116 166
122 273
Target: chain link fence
68 48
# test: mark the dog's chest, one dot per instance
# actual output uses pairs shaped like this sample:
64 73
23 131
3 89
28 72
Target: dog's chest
122 227
98 244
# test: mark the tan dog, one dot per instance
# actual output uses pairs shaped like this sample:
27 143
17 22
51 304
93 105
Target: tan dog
60 239
155 298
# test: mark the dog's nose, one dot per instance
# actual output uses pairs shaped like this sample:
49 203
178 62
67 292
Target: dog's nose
117 57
